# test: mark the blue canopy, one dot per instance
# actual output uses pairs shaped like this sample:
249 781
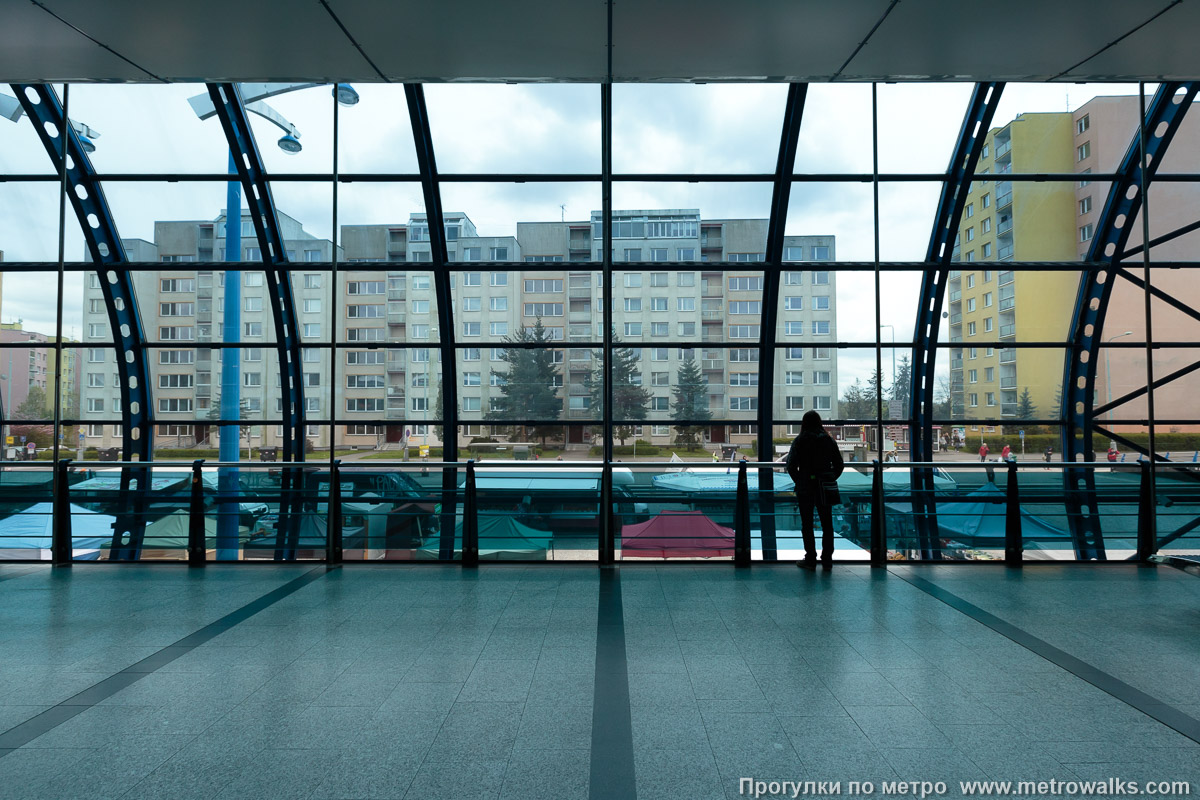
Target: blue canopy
32 529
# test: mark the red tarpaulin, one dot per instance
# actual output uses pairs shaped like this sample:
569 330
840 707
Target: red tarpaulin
678 534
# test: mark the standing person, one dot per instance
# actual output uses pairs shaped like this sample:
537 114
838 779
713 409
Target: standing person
1006 452
1112 452
814 464
983 451
1048 455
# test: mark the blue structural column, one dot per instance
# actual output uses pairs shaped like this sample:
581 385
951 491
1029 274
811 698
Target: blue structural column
1109 242
780 195
44 110
252 175
228 479
976 122
419 117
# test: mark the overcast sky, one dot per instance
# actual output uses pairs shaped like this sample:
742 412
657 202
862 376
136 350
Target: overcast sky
717 128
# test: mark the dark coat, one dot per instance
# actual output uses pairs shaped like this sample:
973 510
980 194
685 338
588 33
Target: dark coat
814 457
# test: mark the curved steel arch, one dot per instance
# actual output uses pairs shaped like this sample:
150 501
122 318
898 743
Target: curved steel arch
1163 119
227 100
781 194
42 106
978 119
418 114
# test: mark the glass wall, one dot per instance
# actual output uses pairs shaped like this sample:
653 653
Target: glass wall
529 340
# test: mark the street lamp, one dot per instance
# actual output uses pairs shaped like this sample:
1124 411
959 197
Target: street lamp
11 109
1108 373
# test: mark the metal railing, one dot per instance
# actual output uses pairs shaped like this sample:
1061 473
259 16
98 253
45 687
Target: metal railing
406 510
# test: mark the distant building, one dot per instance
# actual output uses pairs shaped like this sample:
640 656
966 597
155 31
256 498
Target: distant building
389 308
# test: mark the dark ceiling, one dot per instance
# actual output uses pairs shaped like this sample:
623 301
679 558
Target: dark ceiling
566 40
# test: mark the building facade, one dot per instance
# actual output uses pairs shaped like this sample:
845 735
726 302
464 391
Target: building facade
383 367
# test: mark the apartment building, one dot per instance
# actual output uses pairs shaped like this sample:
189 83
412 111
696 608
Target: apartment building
383 313
991 307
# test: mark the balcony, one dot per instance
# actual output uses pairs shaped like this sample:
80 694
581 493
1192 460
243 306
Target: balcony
956 319
1008 409
1008 355
1004 253
956 363
395 412
1004 200
1004 226
1008 331
579 316
1003 149
1004 278
580 244
711 242
1007 303
397 247
395 318
712 364
711 315
395 294
956 296
579 293
1008 383
396 367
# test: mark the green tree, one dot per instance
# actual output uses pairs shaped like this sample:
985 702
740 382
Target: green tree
901 387
34 405
529 386
1025 407
630 401
691 402
859 401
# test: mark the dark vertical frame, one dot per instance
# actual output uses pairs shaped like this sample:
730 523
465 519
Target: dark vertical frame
781 193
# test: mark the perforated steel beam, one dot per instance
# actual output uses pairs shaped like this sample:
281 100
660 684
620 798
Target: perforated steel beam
978 118
1109 245
226 98
42 106
781 194
252 175
423 138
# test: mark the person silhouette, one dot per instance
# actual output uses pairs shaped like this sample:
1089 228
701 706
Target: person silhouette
814 464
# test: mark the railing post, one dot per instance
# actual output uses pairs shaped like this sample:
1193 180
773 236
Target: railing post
197 552
1146 538
333 539
1014 546
878 526
60 539
470 541
607 555
741 519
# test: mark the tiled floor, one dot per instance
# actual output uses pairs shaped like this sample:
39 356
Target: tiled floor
434 682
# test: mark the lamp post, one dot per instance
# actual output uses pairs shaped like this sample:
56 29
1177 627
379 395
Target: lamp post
1108 373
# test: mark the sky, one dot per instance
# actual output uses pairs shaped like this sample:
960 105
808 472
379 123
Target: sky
657 128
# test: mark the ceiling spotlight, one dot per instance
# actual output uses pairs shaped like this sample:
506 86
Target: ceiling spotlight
289 144
345 94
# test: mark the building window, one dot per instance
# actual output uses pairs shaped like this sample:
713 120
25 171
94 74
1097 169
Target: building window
1085 233
794 377
795 403
970 210
472 303
973 376
794 303
745 284
793 328
540 285
820 327
745 307
986 250
543 310
685 254
1083 151
743 379
633 329
743 331
821 302
970 304
793 278
987 324
820 279
970 329
659 303
660 329
633 254
822 403
971 280
743 257
986 200
311 330
743 404
794 353
686 278
173 405
985 225
1085 205
633 304
793 254
974 400
1083 123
